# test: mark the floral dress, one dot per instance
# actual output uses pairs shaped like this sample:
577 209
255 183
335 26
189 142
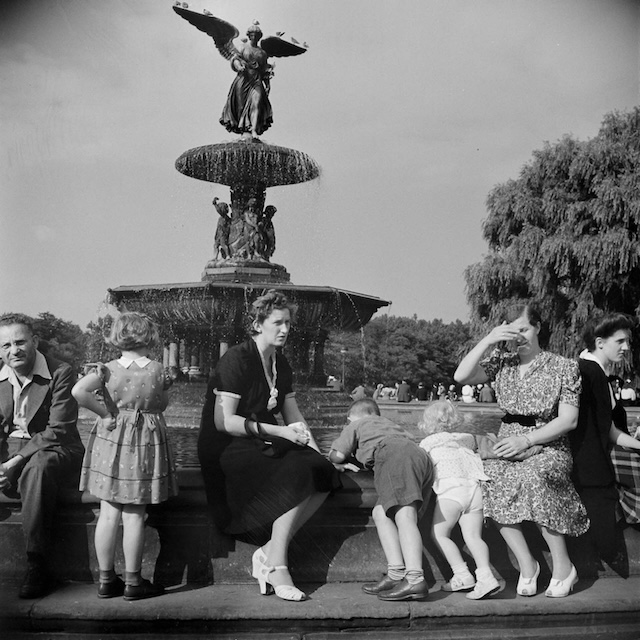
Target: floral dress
132 462
538 489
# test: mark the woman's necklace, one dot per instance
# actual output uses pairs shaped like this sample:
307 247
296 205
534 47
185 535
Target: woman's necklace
271 380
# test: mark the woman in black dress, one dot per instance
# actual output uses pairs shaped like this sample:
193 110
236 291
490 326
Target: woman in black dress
263 480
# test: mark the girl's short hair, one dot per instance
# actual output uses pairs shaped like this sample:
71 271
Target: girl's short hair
263 306
132 330
531 312
605 327
441 415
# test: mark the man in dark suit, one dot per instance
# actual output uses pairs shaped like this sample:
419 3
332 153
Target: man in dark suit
38 417
602 421
404 392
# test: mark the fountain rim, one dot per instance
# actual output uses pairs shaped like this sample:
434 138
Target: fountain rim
240 285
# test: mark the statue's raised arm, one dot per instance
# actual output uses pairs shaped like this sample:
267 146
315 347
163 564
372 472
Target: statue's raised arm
247 110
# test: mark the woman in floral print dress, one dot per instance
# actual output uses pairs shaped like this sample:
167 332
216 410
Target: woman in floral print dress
530 477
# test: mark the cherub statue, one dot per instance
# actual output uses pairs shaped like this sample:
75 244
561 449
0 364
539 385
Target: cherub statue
221 240
251 231
267 232
247 110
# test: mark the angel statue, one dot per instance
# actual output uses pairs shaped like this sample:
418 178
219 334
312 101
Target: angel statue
247 110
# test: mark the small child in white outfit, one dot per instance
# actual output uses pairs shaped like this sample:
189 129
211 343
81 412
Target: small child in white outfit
458 473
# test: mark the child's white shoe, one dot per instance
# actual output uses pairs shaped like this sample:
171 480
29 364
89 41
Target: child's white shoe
484 588
460 583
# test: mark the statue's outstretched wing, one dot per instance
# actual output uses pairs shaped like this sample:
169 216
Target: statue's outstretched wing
280 48
222 32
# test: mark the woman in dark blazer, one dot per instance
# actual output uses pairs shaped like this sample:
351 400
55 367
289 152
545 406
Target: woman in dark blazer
602 421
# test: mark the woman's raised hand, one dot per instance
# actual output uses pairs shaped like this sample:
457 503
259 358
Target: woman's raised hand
502 333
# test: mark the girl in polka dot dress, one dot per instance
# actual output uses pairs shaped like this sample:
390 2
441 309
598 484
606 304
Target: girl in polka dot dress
128 462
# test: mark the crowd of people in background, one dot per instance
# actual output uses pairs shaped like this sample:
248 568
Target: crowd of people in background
625 390
402 391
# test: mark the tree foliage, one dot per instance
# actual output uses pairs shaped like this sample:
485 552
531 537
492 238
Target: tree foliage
392 348
565 233
60 338
98 349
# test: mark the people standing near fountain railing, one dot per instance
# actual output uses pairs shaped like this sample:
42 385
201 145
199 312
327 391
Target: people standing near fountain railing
128 462
539 391
263 481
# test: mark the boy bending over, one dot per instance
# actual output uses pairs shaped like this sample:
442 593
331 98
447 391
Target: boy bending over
403 475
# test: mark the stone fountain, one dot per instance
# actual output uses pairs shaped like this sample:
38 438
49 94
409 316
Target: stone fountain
199 320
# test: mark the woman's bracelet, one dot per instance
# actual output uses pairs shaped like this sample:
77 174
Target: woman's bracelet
259 432
249 431
527 440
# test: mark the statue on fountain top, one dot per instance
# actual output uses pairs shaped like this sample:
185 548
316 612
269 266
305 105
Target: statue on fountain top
248 109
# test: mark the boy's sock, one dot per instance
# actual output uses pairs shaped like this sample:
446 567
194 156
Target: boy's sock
396 571
133 578
108 576
414 576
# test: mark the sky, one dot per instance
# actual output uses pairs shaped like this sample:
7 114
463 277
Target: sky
414 109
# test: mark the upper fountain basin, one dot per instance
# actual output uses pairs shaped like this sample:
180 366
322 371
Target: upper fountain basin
245 163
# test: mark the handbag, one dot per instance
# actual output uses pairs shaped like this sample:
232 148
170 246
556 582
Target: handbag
276 446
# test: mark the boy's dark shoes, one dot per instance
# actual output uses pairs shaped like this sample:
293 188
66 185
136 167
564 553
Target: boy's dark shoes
111 589
143 590
385 584
406 591
37 582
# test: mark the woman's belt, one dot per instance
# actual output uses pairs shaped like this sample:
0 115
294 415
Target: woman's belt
525 421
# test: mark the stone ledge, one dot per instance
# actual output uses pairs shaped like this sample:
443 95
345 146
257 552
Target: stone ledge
605 608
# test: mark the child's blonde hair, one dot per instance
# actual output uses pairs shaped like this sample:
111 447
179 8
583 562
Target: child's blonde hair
132 330
441 415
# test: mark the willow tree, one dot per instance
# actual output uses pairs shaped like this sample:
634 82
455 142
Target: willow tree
566 234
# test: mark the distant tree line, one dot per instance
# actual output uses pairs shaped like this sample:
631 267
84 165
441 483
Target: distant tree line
394 348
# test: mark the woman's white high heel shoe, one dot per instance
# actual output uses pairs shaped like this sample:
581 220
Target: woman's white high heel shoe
283 591
562 588
528 586
258 560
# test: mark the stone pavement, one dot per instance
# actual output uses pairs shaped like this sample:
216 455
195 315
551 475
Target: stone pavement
606 608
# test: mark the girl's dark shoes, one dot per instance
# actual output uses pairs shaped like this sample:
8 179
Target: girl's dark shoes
112 589
405 591
145 589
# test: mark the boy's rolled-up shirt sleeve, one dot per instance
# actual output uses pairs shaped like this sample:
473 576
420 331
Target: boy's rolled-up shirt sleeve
347 442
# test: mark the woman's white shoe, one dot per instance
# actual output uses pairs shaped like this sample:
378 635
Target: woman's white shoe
261 573
562 588
528 586
258 560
